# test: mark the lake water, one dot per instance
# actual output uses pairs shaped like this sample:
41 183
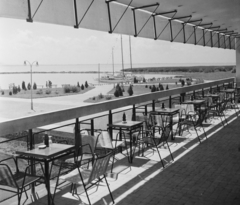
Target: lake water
57 78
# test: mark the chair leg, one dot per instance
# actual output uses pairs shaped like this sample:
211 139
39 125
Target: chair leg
109 189
20 196
197 133
169 150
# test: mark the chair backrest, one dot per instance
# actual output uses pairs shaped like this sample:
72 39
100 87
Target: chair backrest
165 133
6 177
99 167
104 140
91 141
190 108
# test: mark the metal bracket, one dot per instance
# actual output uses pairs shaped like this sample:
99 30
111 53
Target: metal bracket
163 13
30 16
183 27
219 30
156 14
109 14
76 13
193 21
134 17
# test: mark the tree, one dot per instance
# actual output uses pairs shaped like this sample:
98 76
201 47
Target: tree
153 89
34 86
130 90
135 79
161 87
116 94
167 87
183 82
82 87
119 90
19 89
86 84
78 84
50 84
23 86
29 86
144 80
14 90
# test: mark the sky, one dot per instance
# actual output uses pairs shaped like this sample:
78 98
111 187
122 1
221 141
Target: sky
54 44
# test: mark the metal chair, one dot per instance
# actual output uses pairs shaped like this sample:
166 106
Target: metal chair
16 182
87 177
193 119
149 138
105 142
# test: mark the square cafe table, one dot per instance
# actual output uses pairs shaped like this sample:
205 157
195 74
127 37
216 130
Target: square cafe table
170 112
230 92
131 127
197 104
47 155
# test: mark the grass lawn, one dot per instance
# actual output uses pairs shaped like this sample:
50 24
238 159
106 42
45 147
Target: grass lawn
137 90
43 93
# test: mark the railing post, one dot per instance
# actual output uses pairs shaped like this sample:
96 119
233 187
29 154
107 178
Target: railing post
170 101
110 122
31 144
92 127
203 92
134 113
78 139
194 94
145 110
153 105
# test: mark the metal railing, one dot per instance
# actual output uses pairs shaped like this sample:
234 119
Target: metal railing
83 114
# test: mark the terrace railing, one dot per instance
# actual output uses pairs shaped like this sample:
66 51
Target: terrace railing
139 103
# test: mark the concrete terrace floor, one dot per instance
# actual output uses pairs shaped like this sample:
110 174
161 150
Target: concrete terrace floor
202 174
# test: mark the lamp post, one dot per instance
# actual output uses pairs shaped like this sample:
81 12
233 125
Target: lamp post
31 64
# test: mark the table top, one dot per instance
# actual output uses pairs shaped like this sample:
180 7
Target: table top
126 124
193 101
212 95
165 111
48 152
229 90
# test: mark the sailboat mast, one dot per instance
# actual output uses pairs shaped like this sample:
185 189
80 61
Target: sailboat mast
130 52
122 56
113 59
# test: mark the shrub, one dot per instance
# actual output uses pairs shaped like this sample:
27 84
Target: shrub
19 89
74 89
135 80
29 86
150 87
118 90
123 90
39 92
2 92
157 89
93 98
144 80
56 92
34 86
10 93
14 90
146 86
183 82
86 84
78 84
100 96
66 89
108 97
130 91
161 87
82 87
167 87
48 92
176 82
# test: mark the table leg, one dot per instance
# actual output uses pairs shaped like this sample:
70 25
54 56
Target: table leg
171 127
47 181
130 154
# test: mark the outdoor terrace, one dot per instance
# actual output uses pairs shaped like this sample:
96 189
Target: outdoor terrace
206 173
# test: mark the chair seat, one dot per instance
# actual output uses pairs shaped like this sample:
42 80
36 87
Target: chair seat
75 178
28 180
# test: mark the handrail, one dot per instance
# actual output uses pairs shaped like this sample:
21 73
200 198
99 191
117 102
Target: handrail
38 120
